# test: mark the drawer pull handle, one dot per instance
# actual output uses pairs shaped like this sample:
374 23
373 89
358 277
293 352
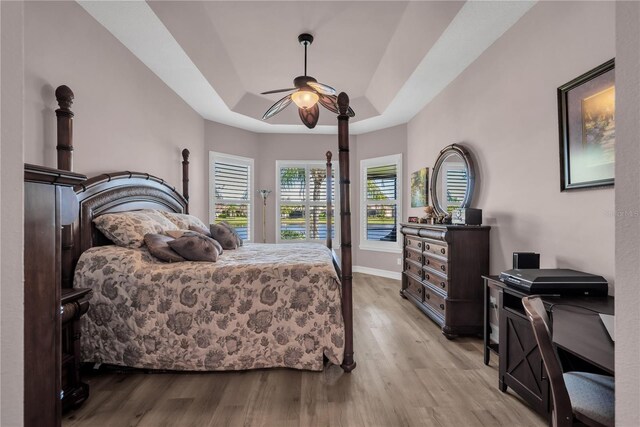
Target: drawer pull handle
442 267
442 251
428 247
442 284
419 244
442 306
426 276
428 262
428 296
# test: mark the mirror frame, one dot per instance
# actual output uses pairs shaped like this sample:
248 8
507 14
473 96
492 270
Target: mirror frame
471 175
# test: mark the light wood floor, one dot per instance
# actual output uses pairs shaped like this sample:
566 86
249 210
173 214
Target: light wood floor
407 374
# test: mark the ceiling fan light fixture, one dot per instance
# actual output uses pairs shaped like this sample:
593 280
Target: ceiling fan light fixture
305 99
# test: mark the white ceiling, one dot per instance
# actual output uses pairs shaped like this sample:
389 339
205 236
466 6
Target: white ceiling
391 57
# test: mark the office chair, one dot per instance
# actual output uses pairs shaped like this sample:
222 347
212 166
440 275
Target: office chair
577 397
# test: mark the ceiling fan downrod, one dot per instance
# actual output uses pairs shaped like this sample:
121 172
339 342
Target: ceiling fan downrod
305 40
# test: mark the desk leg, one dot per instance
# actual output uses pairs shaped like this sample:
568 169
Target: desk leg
487 352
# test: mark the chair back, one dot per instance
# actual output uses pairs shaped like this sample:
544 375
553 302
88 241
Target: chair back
562 413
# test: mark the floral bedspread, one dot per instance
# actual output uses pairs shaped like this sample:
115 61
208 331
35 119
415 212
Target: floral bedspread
259 306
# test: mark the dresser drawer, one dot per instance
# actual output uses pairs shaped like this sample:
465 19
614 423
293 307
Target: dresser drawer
436 264
413 256
434 300
414 243
413 268
437 281
415 288
435 249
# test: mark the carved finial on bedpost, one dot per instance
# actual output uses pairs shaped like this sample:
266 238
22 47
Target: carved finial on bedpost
185 176
343 103
64 96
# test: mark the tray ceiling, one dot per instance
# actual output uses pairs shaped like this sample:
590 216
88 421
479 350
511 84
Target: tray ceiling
391 57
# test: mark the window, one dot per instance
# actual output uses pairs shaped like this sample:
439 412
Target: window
231 191
302 201
381 203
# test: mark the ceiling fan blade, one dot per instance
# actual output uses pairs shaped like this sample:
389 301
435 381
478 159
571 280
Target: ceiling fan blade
321 88
350 112
277 91
330 102
309 116
277 107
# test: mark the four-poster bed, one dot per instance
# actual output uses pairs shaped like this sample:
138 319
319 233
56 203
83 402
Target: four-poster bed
133 191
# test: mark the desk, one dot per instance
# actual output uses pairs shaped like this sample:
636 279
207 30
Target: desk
582 334
577 333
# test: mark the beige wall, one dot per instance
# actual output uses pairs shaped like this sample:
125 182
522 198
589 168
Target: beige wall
370 145
126 117
11 218
627 213
504 108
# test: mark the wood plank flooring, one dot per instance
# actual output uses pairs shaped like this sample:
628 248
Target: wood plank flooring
408 374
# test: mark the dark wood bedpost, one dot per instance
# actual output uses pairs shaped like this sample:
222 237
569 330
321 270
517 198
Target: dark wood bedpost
185 176
64 96
64 148
329 201
348 364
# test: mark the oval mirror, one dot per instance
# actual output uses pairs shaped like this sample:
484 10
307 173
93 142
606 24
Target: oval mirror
452 180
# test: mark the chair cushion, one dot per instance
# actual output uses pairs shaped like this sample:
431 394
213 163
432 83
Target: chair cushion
592 395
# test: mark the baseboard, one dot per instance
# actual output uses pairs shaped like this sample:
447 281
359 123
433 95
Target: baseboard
377 272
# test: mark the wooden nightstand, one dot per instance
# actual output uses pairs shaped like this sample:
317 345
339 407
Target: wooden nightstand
74 303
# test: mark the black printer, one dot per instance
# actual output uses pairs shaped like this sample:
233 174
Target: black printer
555 281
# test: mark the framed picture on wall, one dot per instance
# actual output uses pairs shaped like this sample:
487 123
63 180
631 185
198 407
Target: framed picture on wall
586 109
420 188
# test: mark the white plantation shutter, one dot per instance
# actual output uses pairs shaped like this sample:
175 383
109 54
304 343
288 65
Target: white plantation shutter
232 196
381 202
456 187
302 201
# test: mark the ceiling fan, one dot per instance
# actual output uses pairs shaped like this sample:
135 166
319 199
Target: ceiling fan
308 93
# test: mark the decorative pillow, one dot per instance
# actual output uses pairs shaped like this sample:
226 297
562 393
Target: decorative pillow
129 228
159 248
195 247
200 230
224 236
183 221
176 234
208 234
233 230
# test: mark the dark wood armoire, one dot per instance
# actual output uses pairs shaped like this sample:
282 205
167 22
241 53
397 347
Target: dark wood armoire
49 204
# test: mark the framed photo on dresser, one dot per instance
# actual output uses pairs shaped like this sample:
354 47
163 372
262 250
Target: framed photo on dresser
586 111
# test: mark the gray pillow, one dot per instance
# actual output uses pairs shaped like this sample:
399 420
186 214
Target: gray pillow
158 247
195 247
234 232
224 236
208 234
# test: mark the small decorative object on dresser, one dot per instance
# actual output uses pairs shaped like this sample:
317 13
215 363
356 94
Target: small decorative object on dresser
443 268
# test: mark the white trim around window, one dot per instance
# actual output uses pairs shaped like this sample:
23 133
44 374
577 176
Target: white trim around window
379 245
306 204
244 199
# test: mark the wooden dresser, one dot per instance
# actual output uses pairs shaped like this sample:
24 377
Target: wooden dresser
49 203
443 269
